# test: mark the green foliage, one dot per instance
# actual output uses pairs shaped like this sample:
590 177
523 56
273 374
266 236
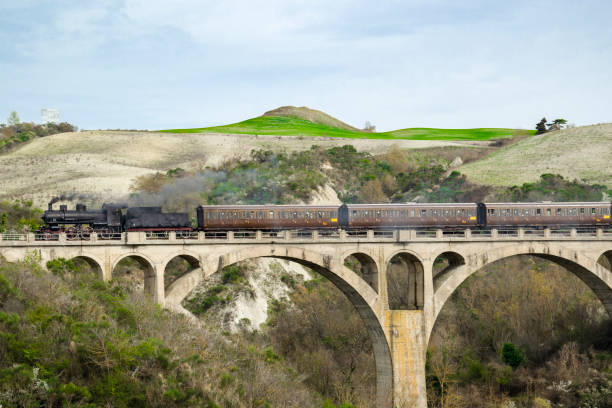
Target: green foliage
554 187
71 340
233 274
512 355
13 119
19 216
541 127
61 266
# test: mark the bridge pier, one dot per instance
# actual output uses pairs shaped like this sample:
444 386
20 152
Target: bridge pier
406 337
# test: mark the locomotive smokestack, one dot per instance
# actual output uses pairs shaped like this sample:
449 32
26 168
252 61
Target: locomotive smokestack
50 205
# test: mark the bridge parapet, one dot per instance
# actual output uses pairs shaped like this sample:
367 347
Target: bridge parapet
303 236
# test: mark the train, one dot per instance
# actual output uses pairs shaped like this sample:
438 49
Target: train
117 218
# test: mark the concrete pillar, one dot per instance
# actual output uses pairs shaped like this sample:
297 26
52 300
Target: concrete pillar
31 237
62 237
521 233
159 292
439 233
467 233
107 268
546 232
599 232
230 235
315 235
342 234
370 235
93 237
201 236
172 236
258 235
404 330
494 234
382 285
573 232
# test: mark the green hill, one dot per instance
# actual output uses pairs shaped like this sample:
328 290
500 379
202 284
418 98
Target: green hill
292 121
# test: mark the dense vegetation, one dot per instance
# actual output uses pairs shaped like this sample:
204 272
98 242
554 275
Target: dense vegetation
294 126
14 134
522 331
19 216
68 339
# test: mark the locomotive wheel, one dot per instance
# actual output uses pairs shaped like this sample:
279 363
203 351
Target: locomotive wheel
72 234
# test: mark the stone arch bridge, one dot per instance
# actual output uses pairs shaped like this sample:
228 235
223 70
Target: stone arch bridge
399 337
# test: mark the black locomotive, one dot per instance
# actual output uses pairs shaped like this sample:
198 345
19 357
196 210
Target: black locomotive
111 219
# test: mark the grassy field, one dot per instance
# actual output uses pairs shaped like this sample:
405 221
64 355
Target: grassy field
293 126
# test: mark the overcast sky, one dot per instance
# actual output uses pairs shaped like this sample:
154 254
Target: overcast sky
152 64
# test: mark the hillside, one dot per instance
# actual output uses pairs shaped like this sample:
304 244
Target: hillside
584 153
292 121
103 164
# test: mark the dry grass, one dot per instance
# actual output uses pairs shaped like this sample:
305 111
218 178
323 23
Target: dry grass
582 153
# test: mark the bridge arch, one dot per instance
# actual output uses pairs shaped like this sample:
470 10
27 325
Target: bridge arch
190 262
606 260
365 266
361 295
593 274
405 281
147 265
94 264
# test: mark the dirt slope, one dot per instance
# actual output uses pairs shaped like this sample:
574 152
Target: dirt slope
583 153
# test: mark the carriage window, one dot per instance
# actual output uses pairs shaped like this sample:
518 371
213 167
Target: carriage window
548 212
582 211
592 211
354 213
558 211
435 213
320 214
538 211
235 215
271 215
446 212
377 213
423 213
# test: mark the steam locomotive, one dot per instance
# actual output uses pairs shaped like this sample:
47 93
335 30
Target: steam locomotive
112 218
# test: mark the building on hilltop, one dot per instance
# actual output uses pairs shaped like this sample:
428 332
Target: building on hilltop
50 115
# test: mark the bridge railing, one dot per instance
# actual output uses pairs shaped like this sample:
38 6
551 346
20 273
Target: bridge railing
14 237
382 235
